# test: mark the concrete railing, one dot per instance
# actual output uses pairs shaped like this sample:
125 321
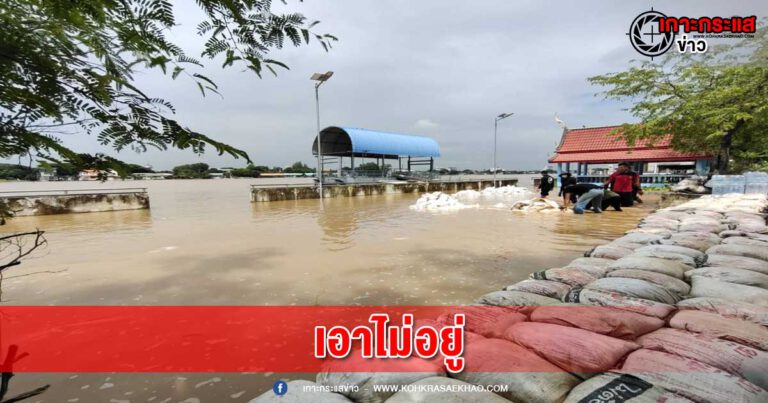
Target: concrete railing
66 201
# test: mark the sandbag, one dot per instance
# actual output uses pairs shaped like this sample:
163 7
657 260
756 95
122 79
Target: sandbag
746 362
608 321
638 238
572 349
572 277
714 239
547 288
616 300
714 325
755 252
710 287
741 240
446 390
530 377
400 372
610 251
651 230
693 243
515 298
678 257
654 264
692 379
698 256
726 307
296 394
660 222
634 288
731 275
753 227
487 321
738 262
702 227
589 262
675 285
615 388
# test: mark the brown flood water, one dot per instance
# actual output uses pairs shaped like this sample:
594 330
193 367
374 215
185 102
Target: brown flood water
204 243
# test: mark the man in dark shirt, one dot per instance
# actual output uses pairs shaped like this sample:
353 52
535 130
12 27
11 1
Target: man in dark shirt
583 194
547 184
566 179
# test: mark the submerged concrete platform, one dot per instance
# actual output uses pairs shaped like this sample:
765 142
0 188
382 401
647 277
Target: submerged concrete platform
269 193
45 202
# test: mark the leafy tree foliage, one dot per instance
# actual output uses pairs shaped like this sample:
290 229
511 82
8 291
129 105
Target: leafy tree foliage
18 172
715 102
299 168
192 171
68 67
249 171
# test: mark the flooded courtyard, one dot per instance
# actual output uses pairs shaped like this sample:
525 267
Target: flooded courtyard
204 243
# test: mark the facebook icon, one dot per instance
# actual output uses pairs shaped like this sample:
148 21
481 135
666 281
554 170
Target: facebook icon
280 388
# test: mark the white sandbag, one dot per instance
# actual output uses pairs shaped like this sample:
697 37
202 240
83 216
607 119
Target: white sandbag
572 349
698 244
639 238
738 359
754 227
530 377
741 240
610 251
726 307
594 271
738 262
651 230
359 386
660 222
634 288
698 227
714 325
755 252
616 300
572 277
616 388
684 259
515 298
698 256
714 239
731 275
608 321
710 287
547 288
442 389
300 391
657 265
675 285
692 379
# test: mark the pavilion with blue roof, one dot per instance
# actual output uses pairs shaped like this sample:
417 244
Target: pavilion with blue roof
339 142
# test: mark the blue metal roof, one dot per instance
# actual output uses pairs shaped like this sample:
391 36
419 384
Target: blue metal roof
373 142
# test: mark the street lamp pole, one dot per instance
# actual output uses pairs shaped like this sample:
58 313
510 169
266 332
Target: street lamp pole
495 135
320 78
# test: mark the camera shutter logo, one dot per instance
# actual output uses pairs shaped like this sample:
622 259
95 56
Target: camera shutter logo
645 36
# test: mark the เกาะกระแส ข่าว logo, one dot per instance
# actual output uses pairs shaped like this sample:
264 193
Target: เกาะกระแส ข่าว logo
647 38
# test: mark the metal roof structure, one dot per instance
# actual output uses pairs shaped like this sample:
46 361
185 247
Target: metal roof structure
598 145
355 142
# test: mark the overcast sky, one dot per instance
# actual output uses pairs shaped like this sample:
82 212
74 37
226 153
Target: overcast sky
442 69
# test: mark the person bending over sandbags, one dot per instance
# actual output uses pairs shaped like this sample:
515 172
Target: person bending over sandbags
582 194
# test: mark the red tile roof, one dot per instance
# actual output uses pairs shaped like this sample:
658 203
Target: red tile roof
599 145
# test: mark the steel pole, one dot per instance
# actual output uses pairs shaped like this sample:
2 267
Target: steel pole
495 130
319 141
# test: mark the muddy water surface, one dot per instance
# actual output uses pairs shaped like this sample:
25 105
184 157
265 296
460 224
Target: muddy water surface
204 243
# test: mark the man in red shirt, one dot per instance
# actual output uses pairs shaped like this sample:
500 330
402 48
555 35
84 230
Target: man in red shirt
623 182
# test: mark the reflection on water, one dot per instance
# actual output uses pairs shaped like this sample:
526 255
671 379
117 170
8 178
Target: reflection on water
204 243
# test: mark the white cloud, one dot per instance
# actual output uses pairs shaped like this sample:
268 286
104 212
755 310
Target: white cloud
425 124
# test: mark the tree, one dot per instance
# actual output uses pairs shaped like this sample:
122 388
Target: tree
192 171
299 168
18 172
716 102
249 171
67 67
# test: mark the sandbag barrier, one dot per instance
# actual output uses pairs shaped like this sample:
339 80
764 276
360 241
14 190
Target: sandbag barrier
675 310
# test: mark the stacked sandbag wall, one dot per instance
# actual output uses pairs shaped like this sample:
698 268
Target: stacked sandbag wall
676 310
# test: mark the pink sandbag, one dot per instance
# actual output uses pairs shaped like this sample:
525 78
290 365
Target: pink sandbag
747 362
608 321
726 307
616 300
574 350
487 321
692 379
572 277
547 288
714 325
